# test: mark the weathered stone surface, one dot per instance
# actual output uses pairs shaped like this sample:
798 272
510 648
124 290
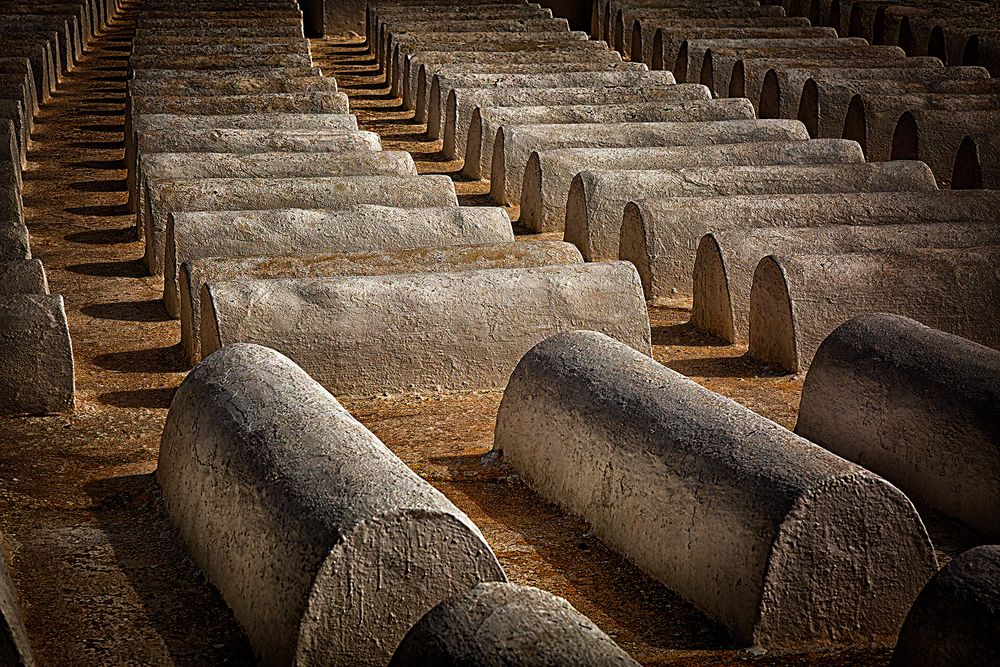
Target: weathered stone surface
668 41
620 15
21 66
597 198
711 61
457 74
37 374
498 625
956 618
713 500
871 119
659 235
420 67
169 129
455 331
977 164
824 101
197 235
779 82
202 48
604 17
710 13
549 173
11 206
41 54
643 28
168 196
462 103
460 100
24 276
935 136
239 140
797 300
217 61
515 143
725 262
399 36
486 121
471 41
13 241
293 102
15 650
323 543
943 447
14 111
280 165
194 274
205 84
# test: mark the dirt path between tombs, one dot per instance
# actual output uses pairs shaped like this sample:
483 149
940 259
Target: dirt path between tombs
101 575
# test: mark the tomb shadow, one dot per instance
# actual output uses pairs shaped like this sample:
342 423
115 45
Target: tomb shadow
129 311
98 164
685 334
196 626
724 367
100 145
107 210
103 236
151 360
111 128
606 581
105 185
133 268
151 398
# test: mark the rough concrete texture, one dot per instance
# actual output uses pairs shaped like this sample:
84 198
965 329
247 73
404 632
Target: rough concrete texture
13 241
514 144
597 199
168 196
711 61
710 13
453 114
956 618
640 28
277 165
434 331
470 41
229 140
916 405
379 17
713 500
725 262
240 80
359 228
26 276
499 625
777 82
487 121
668 41
323 543
659 235
420 67
435 99
207 134
621 16
935 136
872 120
977 164
292 102
462 103
202 48
15 650
824 101
216 61
194 274
37 374
401 38
797 300
549 173
185 123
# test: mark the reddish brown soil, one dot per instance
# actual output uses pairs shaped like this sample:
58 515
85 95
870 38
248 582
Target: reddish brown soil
99 570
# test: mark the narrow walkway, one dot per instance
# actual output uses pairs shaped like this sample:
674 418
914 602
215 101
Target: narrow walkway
101 575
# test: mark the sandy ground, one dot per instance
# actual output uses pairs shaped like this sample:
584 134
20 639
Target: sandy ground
101 575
